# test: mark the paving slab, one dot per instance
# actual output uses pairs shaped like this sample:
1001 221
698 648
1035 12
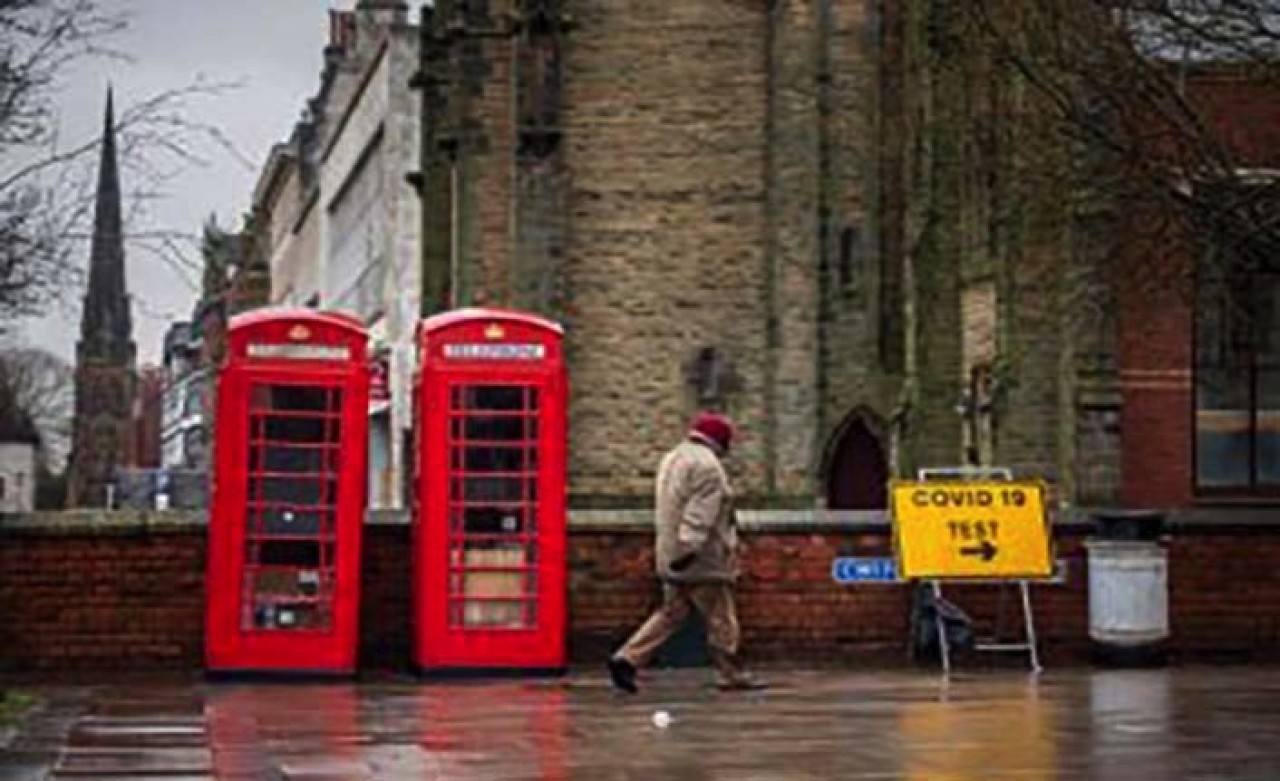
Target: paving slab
1194 723
77 761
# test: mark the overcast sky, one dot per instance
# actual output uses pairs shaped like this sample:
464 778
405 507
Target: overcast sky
272 48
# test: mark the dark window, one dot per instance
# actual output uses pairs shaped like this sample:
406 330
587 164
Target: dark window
540 87
848 258
1238 380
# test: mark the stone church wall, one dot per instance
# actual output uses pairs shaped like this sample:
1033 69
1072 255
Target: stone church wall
711 163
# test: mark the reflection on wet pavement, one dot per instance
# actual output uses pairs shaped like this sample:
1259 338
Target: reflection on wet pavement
1184 724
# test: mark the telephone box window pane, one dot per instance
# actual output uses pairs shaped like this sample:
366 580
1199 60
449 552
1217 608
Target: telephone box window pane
304 398
493 459
494 495
294 521
300 430
491 489
288 599
496 429
489 397
493 520
493 614
287 490
289 553
273 457
493 585
267 551
292 490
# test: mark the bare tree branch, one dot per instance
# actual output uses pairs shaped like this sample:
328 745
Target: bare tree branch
47 184
1114 74
37 386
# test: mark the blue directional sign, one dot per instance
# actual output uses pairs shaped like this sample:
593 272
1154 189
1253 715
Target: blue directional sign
864 570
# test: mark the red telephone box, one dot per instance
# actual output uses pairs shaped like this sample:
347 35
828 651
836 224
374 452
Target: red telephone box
489 531
288 494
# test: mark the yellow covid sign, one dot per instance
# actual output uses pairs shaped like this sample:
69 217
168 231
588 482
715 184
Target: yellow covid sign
971 529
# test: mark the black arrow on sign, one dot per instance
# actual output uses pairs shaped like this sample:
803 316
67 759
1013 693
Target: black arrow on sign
985 551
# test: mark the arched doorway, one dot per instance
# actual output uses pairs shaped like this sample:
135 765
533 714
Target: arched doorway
857 467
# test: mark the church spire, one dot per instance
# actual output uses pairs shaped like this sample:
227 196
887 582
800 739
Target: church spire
106 316
105 355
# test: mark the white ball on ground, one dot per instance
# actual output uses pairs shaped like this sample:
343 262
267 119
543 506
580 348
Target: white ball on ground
661 719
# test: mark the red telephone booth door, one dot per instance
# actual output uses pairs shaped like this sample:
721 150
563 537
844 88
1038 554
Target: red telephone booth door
490 527
284 531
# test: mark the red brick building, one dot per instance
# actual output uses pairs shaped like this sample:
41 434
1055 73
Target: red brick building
148 408
1200 353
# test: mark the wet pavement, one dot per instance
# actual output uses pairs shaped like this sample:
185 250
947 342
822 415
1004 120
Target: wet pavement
1209 723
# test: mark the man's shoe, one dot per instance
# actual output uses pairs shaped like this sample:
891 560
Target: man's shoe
742 683
623 675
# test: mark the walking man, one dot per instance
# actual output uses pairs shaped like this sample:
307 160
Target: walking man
696 557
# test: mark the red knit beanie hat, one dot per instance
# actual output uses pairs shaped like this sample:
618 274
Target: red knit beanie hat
715 427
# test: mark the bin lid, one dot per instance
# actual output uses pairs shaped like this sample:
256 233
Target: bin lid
1129 524
1128 514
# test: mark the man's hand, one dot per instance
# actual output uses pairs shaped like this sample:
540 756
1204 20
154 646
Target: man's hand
681 563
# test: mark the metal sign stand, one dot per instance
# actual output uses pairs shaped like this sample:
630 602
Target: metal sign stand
1028 616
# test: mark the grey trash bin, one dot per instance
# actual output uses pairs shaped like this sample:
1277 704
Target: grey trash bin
1128 589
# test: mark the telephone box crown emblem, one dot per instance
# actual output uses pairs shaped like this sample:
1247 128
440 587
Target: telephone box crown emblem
494 331
299 333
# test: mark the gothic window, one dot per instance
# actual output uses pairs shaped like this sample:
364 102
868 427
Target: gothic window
540 83
543 67
847 265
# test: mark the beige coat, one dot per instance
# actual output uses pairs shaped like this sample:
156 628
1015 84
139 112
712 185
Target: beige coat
694 514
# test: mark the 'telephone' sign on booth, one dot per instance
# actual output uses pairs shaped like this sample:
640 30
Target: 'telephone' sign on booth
971 529
495 352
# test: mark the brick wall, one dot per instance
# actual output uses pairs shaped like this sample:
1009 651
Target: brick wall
386 596
82 599
665 148
1223 595
1243 111
128 594
1155 380
789 607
